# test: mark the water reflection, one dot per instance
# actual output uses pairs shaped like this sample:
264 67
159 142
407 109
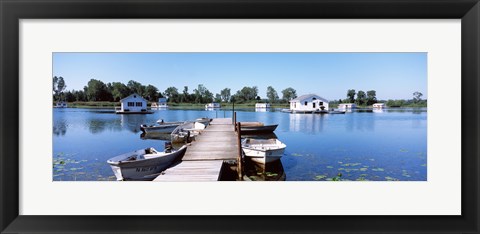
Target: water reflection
60 127
98 125
262 109
270 172
307 123
132 122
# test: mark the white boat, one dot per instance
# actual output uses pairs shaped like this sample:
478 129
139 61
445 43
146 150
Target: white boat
213 105
263 150
144 164
160 127
186 131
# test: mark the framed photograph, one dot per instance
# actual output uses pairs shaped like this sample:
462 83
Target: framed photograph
223 116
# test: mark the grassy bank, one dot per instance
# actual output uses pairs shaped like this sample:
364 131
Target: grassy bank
93 104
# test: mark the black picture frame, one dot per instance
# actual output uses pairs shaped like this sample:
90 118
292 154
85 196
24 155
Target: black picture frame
12 11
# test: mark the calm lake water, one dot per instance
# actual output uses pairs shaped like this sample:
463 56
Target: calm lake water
389 145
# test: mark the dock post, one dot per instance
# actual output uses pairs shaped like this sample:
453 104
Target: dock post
233 111
238 126
235 120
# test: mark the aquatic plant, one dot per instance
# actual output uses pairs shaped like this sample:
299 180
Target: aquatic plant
320 177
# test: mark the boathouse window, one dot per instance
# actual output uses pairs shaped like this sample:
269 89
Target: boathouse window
130 104
306 103
321 104
313 104
139 104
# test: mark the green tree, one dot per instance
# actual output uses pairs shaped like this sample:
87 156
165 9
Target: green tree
208 96
135 87
185 95
54 86
361 97
202 94
119 91
289 94
218 97
272 94
69 97
371 97
351 95
172 94
417 97
58 87
225 94
96 90
151 93
79 96
246 94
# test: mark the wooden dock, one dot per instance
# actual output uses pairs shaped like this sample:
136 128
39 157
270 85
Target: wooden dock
204 158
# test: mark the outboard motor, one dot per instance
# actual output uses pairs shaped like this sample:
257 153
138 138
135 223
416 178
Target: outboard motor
168 147
142 127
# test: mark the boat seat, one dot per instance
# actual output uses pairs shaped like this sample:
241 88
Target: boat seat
148 156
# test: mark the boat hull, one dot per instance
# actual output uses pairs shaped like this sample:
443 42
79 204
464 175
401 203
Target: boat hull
159 129
143 169
264 157
258 129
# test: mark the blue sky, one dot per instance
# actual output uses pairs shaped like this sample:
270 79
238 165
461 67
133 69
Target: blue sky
330 75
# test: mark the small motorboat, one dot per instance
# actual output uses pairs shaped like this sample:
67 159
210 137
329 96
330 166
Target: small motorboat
263 151
258 129
204 120
336 112
184 133
160 127
144 164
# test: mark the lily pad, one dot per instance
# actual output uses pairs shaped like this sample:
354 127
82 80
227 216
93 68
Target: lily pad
388 178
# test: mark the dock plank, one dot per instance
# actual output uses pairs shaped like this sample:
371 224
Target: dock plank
204 157
192 171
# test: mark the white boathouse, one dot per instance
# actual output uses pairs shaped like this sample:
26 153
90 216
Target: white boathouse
133 104
379 105
212 105
308 103
162 103
262 105
347 106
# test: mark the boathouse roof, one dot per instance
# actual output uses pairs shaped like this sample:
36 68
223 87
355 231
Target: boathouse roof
307 96
135 95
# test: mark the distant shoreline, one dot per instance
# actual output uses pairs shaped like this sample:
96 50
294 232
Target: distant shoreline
174 106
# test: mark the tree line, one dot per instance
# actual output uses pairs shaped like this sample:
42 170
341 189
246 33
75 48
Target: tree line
368 98
97 90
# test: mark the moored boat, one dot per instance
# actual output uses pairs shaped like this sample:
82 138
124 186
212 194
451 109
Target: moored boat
263 151
143 164
258 129
336 112
187 130
160 127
